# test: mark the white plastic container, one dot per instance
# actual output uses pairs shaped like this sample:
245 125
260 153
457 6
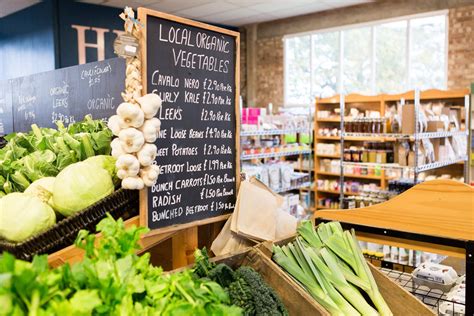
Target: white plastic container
435 276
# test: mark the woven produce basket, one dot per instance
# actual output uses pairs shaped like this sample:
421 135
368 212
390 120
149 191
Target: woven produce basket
121 203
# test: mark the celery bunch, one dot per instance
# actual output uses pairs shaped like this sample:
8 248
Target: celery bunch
329 265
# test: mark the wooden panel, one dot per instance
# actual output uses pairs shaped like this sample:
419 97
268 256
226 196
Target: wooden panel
442 208
184 243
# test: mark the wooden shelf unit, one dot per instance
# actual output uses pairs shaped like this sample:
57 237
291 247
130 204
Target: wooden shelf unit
374 103
379 103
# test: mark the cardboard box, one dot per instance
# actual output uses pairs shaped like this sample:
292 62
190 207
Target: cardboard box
435 126
408 119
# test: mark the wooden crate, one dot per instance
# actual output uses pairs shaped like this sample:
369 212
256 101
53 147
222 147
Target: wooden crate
400 301
295 299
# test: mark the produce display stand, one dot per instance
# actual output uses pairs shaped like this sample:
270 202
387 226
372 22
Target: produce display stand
400 301
295 299
435 216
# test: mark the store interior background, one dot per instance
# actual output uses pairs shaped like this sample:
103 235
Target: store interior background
38 36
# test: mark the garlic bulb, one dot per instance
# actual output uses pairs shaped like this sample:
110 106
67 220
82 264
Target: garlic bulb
147 154
149 175
116 124
133 183
117 150
150 104
131 114
127 166
131 140
151 129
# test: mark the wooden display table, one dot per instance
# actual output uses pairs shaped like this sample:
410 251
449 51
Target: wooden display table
435 216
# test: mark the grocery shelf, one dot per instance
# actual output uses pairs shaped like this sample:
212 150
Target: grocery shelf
421 168
356 138
348 175
304 169
337 192
295 187
328 156
330 119
383 166
328 137
435 165
276 154
395 136
273 132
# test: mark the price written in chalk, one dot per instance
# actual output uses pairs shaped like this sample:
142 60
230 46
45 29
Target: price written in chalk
214 85
216 116
210 98
217 150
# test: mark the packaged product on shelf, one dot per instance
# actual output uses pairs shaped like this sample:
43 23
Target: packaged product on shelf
435 276
286 171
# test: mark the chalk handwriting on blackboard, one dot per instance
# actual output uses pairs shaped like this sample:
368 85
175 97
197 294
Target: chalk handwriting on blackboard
193 71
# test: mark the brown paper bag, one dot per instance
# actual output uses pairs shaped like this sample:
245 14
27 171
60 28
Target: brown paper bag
228 242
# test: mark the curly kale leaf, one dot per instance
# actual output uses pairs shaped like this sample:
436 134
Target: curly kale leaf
265 299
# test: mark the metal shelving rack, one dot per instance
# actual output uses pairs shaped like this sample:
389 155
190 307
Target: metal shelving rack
416 138
275 154
280 154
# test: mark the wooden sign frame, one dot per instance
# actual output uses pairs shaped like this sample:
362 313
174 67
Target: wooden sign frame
143 13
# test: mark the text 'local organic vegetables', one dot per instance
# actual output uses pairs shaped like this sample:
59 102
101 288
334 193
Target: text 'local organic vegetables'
23 215
111 280
329 264
245 286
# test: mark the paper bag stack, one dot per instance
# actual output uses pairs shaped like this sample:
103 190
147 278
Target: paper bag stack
258 216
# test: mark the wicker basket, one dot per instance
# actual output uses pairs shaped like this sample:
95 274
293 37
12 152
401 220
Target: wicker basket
121 203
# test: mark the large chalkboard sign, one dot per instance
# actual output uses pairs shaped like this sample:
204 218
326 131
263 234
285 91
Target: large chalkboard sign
68 94
6 115
194 68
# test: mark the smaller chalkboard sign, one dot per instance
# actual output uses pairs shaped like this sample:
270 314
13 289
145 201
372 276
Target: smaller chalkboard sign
194 67
68 94
6 116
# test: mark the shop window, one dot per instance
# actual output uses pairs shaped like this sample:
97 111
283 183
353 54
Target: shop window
380 57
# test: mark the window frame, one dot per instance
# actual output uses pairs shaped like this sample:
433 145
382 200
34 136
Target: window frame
373 40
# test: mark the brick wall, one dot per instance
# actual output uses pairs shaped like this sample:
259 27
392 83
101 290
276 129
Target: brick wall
461 48
270 71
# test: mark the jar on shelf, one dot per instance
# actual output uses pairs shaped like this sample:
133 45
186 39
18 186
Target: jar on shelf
347 154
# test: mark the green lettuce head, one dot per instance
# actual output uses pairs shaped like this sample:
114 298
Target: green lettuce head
23 215
80 185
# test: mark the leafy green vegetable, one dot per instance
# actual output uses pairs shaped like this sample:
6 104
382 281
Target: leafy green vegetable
80 185
44 152
245 286
111 280
328 263
23 215
107 163
42 189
